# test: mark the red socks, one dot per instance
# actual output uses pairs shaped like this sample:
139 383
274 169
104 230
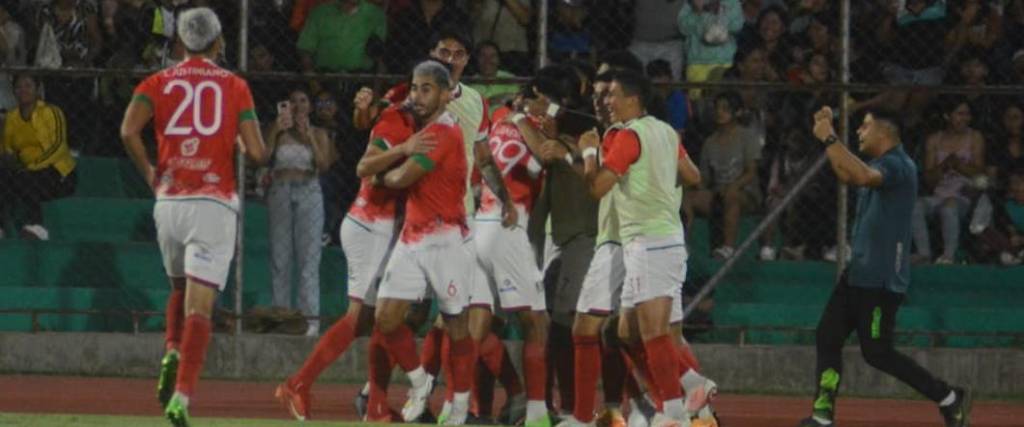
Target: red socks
613 373
380 375
494 356
174 316
402 348
588 367
687 360
535 370
430 359
663 359
463 363
194 341
331 345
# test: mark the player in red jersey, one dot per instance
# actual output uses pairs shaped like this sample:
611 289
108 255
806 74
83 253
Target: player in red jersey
199 111
512 276
366 235
430 249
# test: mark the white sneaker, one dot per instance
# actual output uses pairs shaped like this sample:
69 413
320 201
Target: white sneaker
660 420
640 413
768 253
36 232
458 413
943 260
417 401
724 253
313 329
700 397
832 255
514 410
571 421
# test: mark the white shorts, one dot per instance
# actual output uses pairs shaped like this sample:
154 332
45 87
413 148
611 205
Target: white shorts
366 247
565 268
196 239
509 266
655 268
602 285
439 262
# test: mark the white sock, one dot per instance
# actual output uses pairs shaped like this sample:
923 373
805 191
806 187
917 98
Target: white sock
634 406
536 409
418 377
822 420
691 380
366 390
674 409
182 397
461 400
949 399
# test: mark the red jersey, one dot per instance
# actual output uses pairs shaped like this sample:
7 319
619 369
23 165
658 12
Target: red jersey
197 107
519 169
621 148
435 202
374 203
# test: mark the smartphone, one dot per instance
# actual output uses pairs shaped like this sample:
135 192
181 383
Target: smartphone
283 107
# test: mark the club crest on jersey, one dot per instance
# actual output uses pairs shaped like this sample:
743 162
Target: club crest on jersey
190 147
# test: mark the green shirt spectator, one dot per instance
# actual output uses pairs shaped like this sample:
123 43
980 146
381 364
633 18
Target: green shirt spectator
488 61
335 35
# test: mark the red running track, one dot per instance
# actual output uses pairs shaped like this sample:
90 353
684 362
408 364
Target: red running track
133 396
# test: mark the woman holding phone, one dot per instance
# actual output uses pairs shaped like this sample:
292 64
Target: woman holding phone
300 152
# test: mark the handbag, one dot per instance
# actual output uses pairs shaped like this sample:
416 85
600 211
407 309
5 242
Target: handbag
48 50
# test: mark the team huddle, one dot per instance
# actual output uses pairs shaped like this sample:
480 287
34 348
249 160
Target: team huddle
419 235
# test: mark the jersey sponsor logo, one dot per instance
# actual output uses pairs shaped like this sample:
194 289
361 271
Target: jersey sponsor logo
211 178
506 286
192 164
190 147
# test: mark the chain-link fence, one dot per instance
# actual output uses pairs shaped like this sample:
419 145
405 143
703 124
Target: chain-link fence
739 81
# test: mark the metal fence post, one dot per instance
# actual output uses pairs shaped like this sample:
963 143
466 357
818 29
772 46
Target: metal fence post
842 207
542 34
243 65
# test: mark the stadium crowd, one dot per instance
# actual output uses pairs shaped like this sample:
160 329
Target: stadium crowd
750 144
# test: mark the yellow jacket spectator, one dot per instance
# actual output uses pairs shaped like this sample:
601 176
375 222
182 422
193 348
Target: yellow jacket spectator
35 162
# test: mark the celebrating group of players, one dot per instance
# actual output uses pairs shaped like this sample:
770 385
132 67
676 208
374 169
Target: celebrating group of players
417 234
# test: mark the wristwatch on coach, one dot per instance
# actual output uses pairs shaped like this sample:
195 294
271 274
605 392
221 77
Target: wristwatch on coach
832 139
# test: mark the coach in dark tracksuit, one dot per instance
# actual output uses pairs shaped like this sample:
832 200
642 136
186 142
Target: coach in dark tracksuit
870 291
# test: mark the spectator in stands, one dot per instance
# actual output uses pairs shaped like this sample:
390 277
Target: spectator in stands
489 59
656 34
35 162
805 12
972 70
505 23
416 27
1011 220
677 105
954 157
1013 24
796 152
1017 61
978 25
710 28
914 55
338 183
266 93
758 109
1006 147
570 37
12 54
770 33
300 152
728 163
335 36
76 28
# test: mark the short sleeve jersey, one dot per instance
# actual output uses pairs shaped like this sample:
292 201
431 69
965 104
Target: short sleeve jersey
622 148
197 108
519 169
376 203
434 202
881 231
